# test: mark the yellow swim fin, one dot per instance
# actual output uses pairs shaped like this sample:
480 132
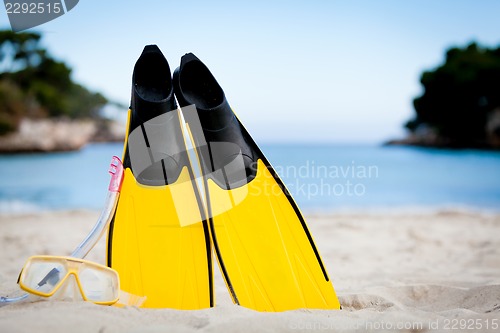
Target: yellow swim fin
159 239
265 251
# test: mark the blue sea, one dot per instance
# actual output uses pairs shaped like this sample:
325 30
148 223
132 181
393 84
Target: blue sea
320 177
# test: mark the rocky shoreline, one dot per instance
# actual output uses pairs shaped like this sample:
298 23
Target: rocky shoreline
53 135
56 135
427 136
439 142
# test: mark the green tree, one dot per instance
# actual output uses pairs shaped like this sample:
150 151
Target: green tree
459 95
19 50
12 106
33 84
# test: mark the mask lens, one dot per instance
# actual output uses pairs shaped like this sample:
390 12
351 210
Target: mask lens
99 284
43 276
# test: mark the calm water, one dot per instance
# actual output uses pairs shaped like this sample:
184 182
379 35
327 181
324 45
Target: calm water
325 177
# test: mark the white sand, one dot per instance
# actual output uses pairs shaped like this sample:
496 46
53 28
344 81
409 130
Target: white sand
428 272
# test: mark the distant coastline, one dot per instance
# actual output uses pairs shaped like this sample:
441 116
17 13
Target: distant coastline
60 134
425 135
430 139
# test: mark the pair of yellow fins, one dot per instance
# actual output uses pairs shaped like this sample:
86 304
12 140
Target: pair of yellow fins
196 183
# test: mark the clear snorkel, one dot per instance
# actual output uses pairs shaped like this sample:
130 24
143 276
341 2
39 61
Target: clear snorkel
116 171
102 224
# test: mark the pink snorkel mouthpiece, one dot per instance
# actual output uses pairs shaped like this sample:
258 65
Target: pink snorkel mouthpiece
116 171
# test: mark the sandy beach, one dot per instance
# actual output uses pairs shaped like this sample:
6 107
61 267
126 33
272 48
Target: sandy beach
396 271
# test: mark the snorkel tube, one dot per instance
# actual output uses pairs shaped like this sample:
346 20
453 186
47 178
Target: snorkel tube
116 171
115 185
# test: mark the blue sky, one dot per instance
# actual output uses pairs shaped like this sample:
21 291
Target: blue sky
294 71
